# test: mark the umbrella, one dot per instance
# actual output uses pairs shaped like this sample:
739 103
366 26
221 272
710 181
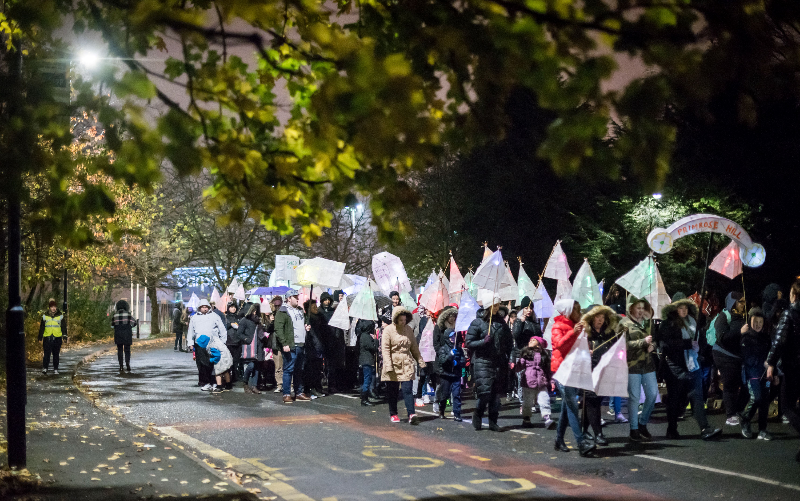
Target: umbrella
270 291
388 271
444 280
380 299
557 266
358 283
493 274
363 305
320 271
727 262
435 297
585 289
431 279
525 286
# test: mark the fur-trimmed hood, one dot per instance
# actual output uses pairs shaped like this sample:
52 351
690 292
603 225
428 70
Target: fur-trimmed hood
612 319
402 310
444 314
672 309
632 300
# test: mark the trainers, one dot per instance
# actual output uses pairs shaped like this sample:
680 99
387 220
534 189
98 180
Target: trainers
764 435
419 403
206 387
394 419
44 371
436 407
413 419
619 418
549 424
55 371
278 389
217 389
710 433
747 432
733 421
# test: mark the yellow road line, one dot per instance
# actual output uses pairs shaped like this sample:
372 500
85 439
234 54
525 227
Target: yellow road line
254 468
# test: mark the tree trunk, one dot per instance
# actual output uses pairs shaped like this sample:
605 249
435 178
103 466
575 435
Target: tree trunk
155 325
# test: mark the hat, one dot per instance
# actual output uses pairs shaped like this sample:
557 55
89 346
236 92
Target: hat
564 306
526 301
203 302
51 302
292 292
487 298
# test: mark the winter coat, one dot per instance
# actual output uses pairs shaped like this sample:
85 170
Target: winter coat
640 361
770 297
367 348
491 354
244 334
563 337
439 336
535 368
786 341
233 323
449 364
600 342
284 329
253 339
754 349
209 325
729 334
314 338
399 350
220 314
524 329
123 323
669 337
177 325
216 348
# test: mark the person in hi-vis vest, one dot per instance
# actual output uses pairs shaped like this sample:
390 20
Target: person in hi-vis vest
52 331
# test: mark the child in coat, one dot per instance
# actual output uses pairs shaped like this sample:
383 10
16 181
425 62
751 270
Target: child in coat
755 345
534 364
450 361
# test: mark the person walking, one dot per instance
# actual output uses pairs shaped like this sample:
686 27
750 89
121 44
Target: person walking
52 333
534 367
449 364
367 357
785 348
333 344
399 350
233 343
316 333
600 325
277 354
676 338
290 334
641 366
566 329
754 350
727 355
123 324
490 341
178 325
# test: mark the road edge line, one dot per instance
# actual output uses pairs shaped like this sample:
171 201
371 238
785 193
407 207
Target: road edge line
776 483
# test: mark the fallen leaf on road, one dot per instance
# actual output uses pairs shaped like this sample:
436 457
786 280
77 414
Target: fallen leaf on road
155 460
205 480
95 479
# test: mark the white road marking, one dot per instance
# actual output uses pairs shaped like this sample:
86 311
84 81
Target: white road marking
345 396
723 472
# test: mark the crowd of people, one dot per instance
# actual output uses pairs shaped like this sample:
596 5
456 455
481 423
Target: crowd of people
691 347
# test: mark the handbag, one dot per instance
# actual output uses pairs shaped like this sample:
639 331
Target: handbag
692 364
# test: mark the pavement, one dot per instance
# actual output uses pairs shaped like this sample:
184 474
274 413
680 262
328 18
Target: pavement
77 450
333 449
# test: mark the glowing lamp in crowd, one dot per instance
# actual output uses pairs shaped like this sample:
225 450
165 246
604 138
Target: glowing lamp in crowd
657 196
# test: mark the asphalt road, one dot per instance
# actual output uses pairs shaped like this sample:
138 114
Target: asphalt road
334 449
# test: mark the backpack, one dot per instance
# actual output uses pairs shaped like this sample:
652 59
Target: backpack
711 332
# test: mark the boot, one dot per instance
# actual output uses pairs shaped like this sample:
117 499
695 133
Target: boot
442 406
477 421
246 388
586 448
365 400
493 425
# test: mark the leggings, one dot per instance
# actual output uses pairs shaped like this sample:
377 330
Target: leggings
730 369
179 340
127 349
592 416
51 345
393 392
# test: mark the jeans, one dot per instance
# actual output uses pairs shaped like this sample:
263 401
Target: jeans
650 383
730 369
294 362
569 413
127 349
615 403
759 401
393 391
369 372
251 373
449 386
51 345
678 388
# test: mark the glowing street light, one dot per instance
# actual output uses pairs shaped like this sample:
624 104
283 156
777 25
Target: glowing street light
657 196
89 59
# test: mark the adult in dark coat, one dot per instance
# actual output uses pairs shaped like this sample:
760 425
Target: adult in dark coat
316 333
123 323
367 359
526 327
786 350
491 352
333 345
728 357
177 325
251 336
233 342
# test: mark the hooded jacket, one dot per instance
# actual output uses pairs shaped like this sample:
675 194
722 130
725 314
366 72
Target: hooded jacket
177 315
209 324
670 335
524 329
600 342
439 336
367 344
770 297
563 336
639 360
535 366
232 322
786 341
399 350
729 334
251 336
123 323
449 364
491 352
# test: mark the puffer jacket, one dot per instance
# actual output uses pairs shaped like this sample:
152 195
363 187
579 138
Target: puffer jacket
448 364
786 341
490 356
729 334
669 337
535 368
640 361
399 350
600 342
563 337
439 336
524 329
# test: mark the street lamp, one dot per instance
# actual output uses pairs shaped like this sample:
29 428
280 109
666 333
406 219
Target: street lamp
89 59
657 196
